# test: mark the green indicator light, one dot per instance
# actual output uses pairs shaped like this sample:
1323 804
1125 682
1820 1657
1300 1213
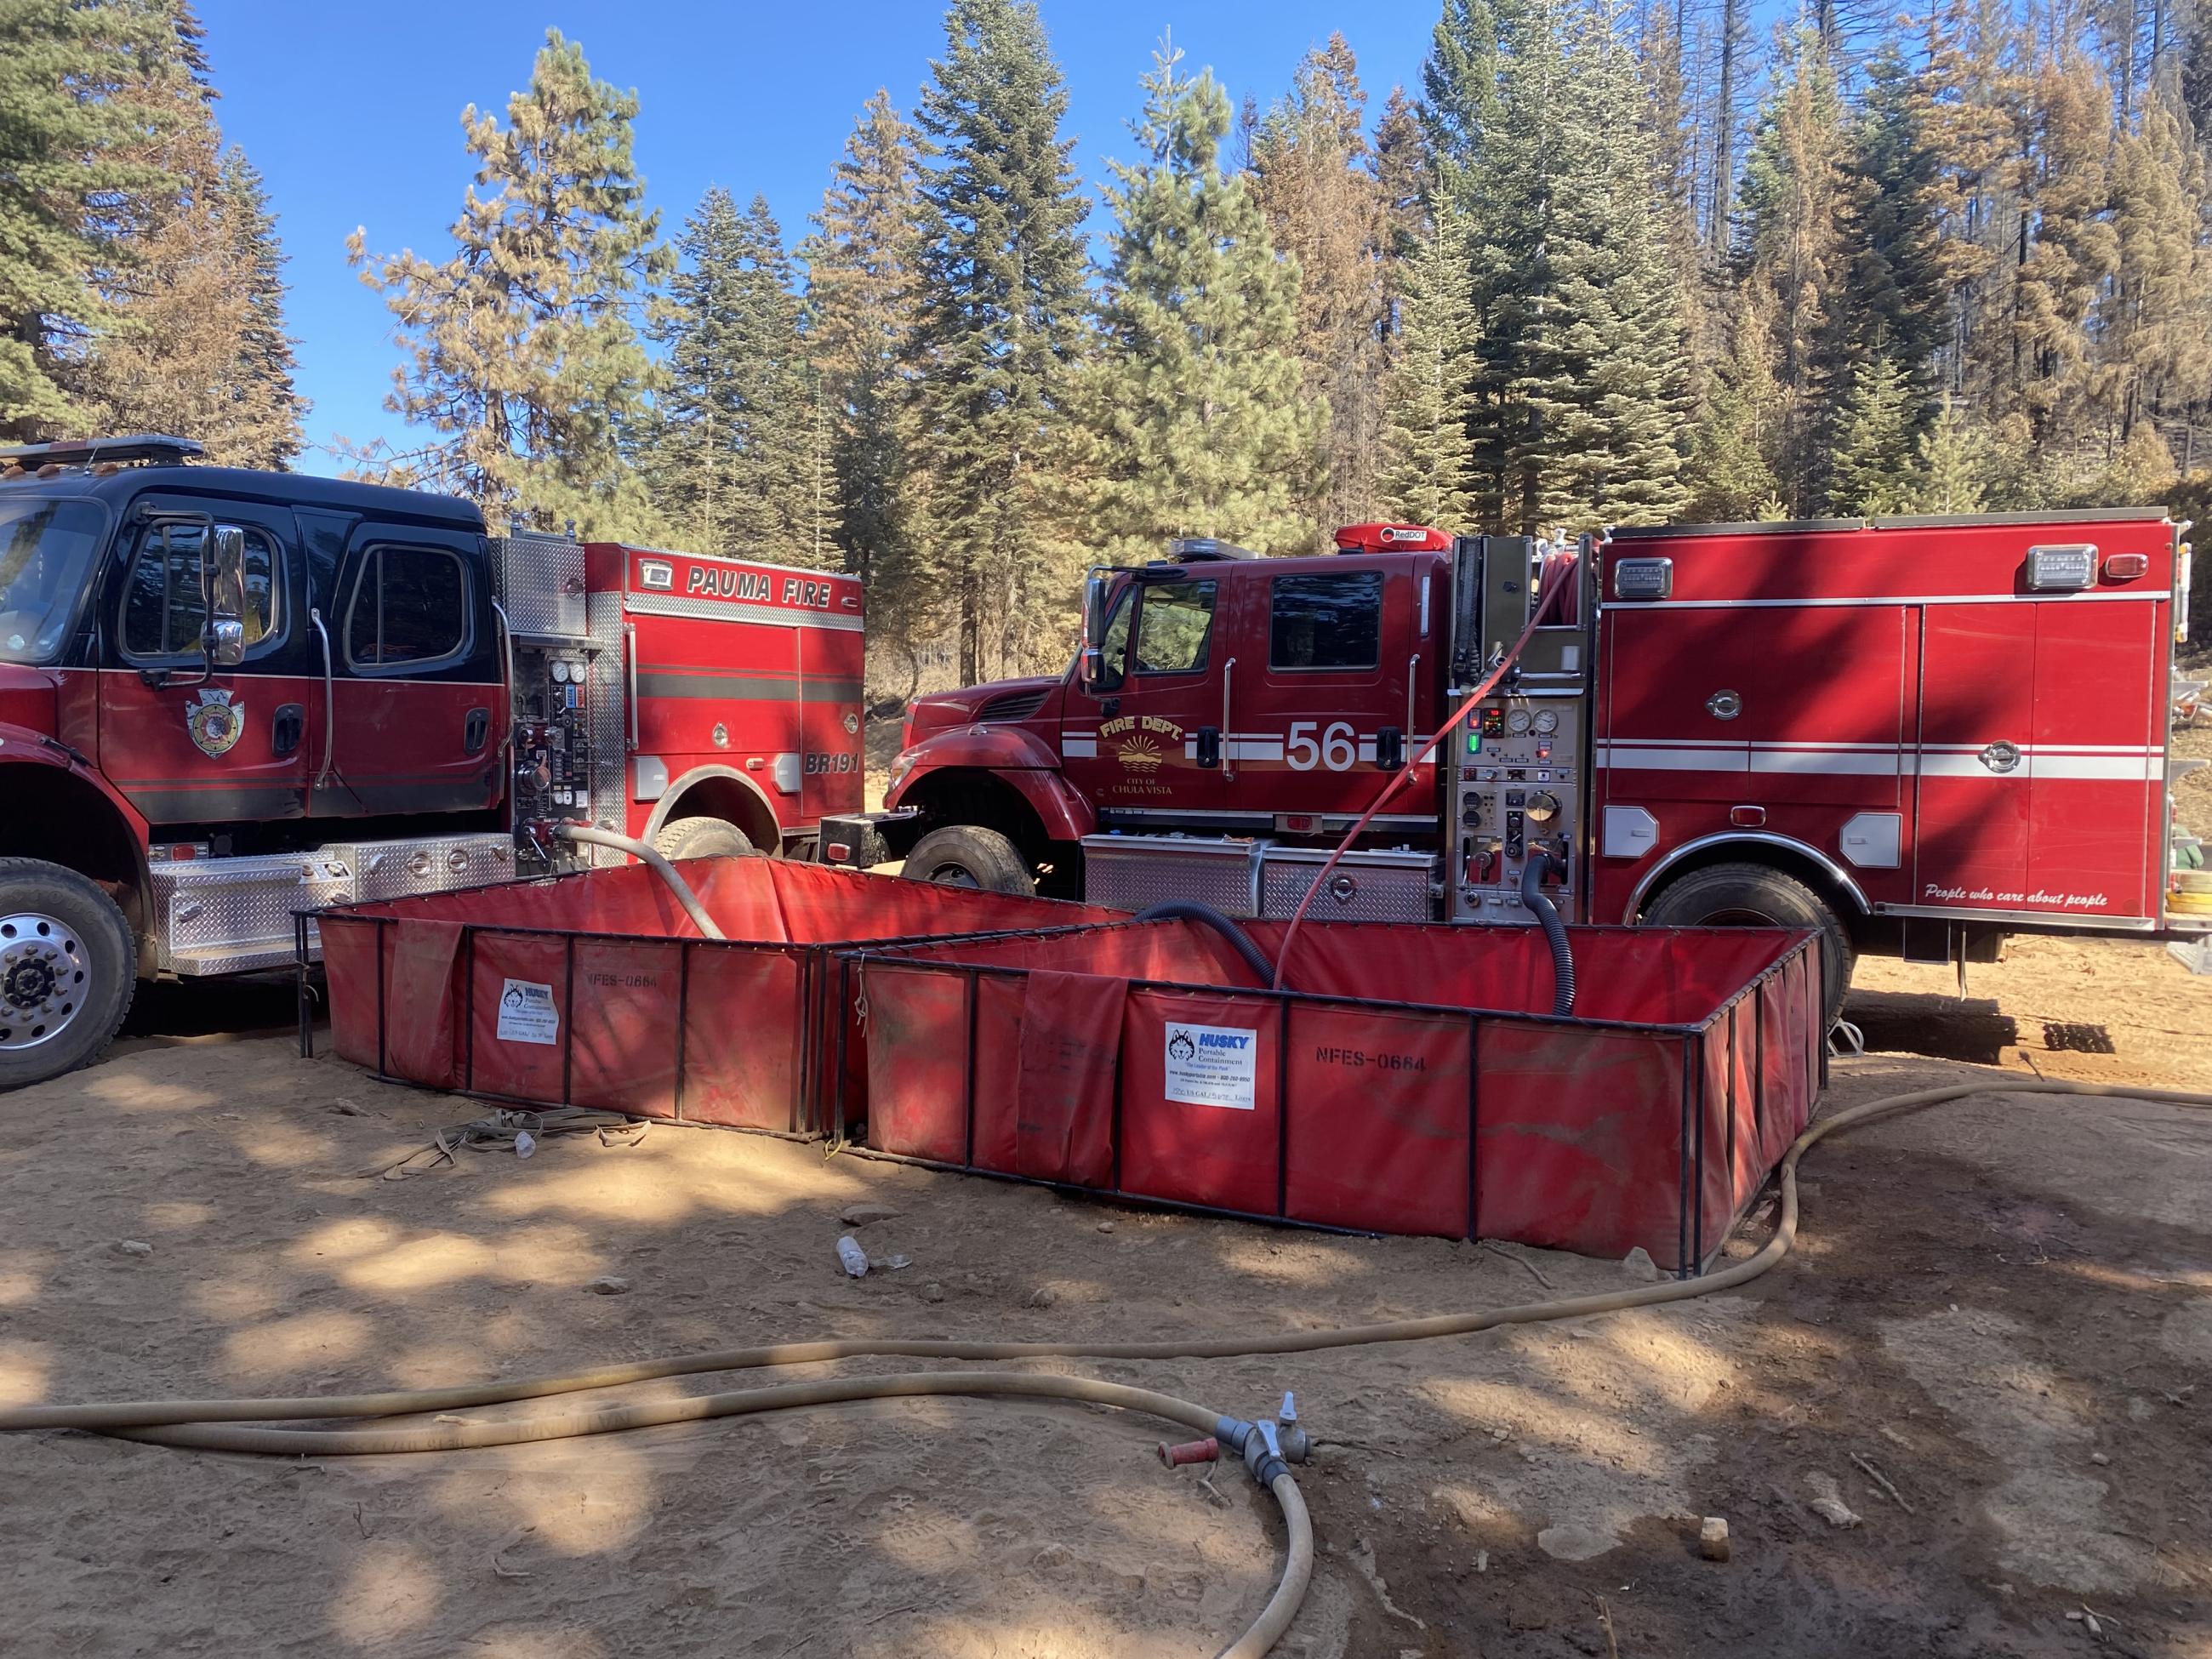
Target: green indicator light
1474 740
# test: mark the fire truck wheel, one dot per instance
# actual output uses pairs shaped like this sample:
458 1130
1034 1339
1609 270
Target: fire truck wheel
703 838
1753 895
968 855
68 966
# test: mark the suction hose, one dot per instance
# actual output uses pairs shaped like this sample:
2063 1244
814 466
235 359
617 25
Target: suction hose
1539 904
661 867
1192 910
196 1422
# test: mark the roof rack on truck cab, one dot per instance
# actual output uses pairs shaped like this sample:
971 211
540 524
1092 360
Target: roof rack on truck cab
147 446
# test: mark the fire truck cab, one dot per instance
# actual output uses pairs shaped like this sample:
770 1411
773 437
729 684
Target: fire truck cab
1913 734
228 695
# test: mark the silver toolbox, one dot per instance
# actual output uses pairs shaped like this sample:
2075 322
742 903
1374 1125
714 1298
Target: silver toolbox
1384 886
1257 878
1132 872
231 916
394 869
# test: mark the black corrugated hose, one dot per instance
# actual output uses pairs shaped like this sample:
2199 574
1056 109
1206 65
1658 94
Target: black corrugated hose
1192 910
1555 931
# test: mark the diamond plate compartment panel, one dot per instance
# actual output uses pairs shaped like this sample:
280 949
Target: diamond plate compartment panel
1134 872
216 907
394 869
542 585
1363 886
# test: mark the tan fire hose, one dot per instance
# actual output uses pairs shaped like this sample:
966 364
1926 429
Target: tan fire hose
200 1423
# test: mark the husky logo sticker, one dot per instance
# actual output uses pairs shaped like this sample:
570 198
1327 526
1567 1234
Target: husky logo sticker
1211 1066
216 722
1180 1047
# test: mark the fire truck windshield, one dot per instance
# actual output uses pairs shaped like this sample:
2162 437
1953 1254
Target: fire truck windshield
46 551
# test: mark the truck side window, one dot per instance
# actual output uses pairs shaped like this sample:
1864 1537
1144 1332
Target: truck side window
1174 628
1326 622
1114 649
410 606
164 604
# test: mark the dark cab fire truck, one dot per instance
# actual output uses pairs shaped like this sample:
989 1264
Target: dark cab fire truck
228 695
1914 734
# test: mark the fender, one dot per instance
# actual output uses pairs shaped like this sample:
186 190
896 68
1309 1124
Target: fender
657 819
1812 854
22 746
1016 757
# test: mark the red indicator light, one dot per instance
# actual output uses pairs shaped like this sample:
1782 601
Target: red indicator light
2126 567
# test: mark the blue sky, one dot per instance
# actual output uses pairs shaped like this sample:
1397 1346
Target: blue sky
354 116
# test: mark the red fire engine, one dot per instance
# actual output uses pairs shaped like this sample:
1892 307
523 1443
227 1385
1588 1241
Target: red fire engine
227 696
1915 734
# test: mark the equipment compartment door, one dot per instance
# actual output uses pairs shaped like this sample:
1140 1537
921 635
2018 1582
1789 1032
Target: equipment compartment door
1331 692
1146 743
2096 832
1977 675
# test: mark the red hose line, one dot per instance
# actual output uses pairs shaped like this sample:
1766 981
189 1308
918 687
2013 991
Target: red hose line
1557 571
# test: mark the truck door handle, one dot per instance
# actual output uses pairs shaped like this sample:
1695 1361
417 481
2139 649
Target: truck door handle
1209 745
1390 748
476 731
288 726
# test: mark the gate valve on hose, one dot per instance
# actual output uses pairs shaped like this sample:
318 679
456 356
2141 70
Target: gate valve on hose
1270 1444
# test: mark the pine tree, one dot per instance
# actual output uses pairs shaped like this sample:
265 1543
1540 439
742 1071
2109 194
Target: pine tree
1955 465
1579 396
1791 254
2155 319
1002 267
266 361
1194 402
1311 169
1730 477
736 462
195 342
65 135
862 314
523 353
1970 113
1426 477
2069 250
1402 169
1891 303
1870 470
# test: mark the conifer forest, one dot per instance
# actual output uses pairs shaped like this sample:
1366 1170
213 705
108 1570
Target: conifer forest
1611 262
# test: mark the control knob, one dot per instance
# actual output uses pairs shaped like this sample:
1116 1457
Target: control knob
1543 806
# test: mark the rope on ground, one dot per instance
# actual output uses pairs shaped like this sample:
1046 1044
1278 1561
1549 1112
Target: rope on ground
501 1131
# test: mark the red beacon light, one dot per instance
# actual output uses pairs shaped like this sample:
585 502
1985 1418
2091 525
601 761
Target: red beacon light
1391 539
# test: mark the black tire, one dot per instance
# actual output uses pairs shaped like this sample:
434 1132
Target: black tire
69 966
1753 895
703 838
968 855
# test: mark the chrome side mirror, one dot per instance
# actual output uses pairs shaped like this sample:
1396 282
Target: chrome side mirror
224 640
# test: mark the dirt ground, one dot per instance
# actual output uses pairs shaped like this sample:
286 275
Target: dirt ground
2003 1310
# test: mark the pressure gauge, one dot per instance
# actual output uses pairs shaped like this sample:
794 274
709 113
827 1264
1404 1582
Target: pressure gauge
1516 723
1547 721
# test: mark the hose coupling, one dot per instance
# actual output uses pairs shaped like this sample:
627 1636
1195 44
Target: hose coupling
1190 1451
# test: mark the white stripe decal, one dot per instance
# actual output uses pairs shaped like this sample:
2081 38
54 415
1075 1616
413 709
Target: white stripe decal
2073 762
1079 748
1883 765
1631 606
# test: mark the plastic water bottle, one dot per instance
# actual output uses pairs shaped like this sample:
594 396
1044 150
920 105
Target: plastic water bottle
854 1258
525 1144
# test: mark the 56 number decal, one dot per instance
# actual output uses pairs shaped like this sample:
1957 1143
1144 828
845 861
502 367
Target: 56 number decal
1334 749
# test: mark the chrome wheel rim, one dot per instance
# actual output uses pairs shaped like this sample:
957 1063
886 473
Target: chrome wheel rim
45 980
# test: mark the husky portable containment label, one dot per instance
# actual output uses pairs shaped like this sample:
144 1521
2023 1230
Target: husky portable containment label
527 1013
1212 1065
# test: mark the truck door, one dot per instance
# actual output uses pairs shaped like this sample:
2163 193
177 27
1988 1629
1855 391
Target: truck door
186 745
1328 689
416 690
1145 744
2039 765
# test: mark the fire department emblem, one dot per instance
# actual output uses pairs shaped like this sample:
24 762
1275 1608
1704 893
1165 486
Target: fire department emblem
1141 754
215 721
